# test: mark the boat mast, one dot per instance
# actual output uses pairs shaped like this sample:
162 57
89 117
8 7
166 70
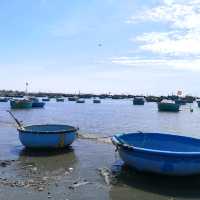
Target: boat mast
26 88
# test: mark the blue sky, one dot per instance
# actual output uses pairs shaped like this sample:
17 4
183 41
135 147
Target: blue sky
117 46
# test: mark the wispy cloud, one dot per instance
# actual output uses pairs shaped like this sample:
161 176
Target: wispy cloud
175 64
182 19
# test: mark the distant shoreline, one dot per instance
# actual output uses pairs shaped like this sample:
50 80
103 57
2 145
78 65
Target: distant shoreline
15 94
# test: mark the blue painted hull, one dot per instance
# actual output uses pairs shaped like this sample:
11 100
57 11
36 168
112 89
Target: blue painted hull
160 153
38 104
47 136
138 101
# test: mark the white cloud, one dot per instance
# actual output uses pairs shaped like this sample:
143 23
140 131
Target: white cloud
183 21
176 64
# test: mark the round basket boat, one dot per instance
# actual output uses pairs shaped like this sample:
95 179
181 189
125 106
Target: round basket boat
160 153
47 136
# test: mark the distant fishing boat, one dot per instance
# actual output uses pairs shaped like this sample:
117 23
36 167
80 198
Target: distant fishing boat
180 101
45 99
138 101
3 99
36 103
75 98
96 101
168 106
152 99
60 99
80 101
46 136
159 152
20 103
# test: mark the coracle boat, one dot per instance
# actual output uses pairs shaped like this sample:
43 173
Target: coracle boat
96 101
20 103
75 98
160 153
46 136
168 106
80 101
36 103
138 101
60 99
46 99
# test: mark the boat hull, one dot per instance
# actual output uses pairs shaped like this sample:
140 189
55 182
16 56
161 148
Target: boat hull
20 104
38 104
168 107
138 101
161 162
96 101
47 139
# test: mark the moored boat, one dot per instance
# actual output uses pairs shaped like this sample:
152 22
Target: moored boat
36 103
180 101
75 98
47 136
80 101
46 99
96 101
20 104
138 101
159 153
168 106
60 99
198 103
3 99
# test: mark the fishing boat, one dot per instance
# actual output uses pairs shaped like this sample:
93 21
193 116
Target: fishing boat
3 99
46 136
152 99
168 106
60 99
75 98
20 103
138 101
180 101
36 103
96 101
161 153
198 103
45 99
80 101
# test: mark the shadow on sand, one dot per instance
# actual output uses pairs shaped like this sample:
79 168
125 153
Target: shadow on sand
176 186
42 152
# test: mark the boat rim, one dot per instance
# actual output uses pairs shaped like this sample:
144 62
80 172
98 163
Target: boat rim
58 131
121 143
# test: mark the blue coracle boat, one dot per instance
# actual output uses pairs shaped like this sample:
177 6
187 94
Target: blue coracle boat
159 153
36 103
47 136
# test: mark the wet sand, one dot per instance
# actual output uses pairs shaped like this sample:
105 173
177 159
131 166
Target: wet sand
73 174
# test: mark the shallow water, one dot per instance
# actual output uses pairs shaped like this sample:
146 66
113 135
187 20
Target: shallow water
86 156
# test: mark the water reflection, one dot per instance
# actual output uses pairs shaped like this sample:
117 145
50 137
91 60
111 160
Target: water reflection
46 162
